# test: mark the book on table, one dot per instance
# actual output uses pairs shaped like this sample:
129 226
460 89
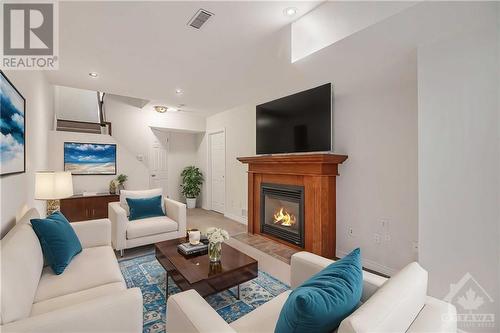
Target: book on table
188 248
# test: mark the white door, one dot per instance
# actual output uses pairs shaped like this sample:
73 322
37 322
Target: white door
218 170
158 165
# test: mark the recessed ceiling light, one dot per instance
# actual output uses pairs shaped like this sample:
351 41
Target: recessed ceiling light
94 75
172 110
160 108
290 11
179 91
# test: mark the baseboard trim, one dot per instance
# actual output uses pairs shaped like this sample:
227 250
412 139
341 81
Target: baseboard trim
237 218
370 264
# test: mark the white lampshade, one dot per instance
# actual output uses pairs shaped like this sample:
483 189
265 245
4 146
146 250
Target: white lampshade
53 185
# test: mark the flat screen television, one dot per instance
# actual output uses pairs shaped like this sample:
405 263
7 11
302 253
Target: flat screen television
90 158
301 122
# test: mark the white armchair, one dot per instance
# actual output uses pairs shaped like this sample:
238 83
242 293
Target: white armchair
127 234
382 310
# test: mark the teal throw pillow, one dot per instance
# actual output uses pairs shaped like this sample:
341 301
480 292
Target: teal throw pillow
58 240
144 207
325 299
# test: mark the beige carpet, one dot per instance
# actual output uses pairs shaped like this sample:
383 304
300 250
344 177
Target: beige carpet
202 219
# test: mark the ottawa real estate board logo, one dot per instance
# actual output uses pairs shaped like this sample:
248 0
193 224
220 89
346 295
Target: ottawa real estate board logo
475 307
29 36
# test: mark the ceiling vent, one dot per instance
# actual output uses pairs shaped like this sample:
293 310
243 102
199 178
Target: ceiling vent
199 19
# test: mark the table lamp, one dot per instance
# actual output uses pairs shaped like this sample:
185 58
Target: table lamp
52 186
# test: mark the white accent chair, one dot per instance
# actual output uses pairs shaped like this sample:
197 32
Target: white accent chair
398 304
89 296
128 234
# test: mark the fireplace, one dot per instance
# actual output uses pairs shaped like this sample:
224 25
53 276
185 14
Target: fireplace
282 212
311 175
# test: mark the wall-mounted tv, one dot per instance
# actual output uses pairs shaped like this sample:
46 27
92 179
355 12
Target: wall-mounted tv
301 122
90 158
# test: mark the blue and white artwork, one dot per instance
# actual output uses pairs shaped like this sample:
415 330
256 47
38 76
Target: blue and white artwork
90 158
12 128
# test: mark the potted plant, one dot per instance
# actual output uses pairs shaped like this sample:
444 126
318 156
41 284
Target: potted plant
117 184
192 178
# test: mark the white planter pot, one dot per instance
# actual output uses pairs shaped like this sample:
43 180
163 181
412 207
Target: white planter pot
191 202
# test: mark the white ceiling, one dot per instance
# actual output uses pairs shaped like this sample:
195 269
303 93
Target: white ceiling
146 50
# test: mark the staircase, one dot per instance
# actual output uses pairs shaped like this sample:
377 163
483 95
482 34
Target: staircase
100 127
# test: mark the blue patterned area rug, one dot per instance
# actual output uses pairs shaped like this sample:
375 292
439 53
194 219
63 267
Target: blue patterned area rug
146 273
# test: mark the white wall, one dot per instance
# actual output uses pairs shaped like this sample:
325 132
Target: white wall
76 104
375 123
132 130
376 126
239 125
126 163
17 191
335 20
374 74
182 152
133 135
459 151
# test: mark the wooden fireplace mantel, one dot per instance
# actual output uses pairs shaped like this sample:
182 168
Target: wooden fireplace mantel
316 172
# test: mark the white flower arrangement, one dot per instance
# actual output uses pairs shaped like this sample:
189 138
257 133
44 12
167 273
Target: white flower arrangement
217 235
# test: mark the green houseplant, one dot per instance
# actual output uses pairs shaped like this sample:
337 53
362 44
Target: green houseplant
117 184
192 179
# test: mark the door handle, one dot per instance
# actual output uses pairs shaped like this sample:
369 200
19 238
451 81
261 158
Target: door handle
153 175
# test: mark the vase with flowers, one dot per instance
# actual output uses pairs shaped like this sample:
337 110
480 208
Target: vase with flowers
216 236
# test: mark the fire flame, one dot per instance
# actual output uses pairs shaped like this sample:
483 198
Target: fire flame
284 219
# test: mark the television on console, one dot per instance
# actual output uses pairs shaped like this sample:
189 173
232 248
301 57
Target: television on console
301 122
90 158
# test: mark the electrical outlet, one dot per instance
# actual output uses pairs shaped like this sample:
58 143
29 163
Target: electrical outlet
376 238
350 232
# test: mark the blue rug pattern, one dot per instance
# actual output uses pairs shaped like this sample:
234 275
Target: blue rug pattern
146 273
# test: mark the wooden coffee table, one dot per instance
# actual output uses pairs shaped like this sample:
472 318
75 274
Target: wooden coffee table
199 274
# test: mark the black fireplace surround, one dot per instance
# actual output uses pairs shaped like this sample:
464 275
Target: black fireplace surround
282 212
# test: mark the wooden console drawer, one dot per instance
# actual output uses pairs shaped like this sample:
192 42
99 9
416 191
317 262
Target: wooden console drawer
81 208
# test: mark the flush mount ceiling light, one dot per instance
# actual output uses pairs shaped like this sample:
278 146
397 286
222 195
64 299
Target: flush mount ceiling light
94 75
179 91
290 11
160 108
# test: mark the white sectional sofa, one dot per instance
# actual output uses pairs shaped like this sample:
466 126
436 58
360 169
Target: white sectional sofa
128 234
396 305
89 296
